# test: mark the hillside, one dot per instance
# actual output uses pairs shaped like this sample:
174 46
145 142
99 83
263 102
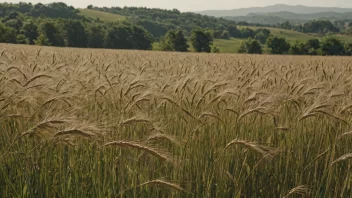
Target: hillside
104 16
290 35
160 21
299 9
232 45
274 18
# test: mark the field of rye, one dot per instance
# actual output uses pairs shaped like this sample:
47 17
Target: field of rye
109 123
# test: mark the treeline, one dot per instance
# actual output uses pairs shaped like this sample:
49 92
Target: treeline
74 33
58 25
314 46
159 21
53 10
315 26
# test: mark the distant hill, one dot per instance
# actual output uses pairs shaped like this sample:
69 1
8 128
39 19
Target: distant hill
299 9
294 18
320 15
264 19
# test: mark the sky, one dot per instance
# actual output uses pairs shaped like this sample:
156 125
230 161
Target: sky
194 5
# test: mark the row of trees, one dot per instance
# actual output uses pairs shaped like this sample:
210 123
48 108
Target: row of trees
53 10
260 34
74 33
200 39
159 21
279 45
19 26
315 26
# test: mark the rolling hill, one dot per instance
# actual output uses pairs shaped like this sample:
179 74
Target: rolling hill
274 18
299 9
232 45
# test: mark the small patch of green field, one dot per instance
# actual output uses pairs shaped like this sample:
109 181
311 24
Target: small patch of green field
290 35
344 38
228 46
104 16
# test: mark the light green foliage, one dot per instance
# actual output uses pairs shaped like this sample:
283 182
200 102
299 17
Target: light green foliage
42 40
348 49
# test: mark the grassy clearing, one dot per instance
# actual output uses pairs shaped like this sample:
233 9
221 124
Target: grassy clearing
104 16
344 38
290 35
228 46
114 123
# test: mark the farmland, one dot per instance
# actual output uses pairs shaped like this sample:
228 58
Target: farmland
115 123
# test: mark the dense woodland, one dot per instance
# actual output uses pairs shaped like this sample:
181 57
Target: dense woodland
58 24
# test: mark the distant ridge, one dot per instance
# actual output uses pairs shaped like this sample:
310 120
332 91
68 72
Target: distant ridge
298 9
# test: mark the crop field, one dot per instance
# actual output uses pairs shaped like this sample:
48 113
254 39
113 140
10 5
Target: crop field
111 123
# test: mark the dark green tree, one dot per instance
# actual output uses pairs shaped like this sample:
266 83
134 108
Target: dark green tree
278 45
7 34
201 40
174 40
30 30
233 31
42 40
313 43
247 33
262 35
76 35
96 36
15 24
128 37
142 39
312 46
298 48
225 35
250 46
320 26
52 33
119 37
332 46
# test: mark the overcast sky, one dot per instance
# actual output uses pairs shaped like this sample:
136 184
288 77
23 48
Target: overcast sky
194 5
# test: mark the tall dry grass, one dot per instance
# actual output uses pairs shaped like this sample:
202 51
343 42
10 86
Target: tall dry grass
104 123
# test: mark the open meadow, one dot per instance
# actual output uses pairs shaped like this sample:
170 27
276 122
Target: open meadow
114 123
